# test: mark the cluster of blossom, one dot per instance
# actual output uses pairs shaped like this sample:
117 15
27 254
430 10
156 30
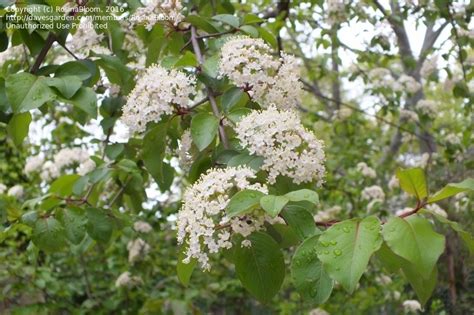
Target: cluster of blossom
429 67
154 95
327 214
434 208
127 280
383 280
137 250
184 150
411 306
250 65
286 146
393 182
142 227
318 311
342 114
366 170
65 158
373 193
382 78
16 191
453 139
156 11
335 12
203 212
427 107
466 33
408 115
86 39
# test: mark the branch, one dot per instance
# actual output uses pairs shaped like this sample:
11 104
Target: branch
210 92
44 51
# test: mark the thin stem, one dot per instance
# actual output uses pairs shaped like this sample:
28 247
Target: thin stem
210 92
44 51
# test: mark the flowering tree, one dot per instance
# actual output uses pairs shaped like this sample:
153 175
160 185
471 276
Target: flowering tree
144 141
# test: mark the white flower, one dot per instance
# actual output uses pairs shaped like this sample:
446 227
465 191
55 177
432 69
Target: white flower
49 171
86 39
318 311
381 78
16 191
467 33
383 280
250 65
434 208
335 12
408 84
396 295
453 139
408 115
403 211
33 164
158 10
411 306
127 280
427 107
342 114
154 95
137 249
328 214
85 167
202 217
373 193
366 170
184 150
287 147
142 227
393 182
3 188
429 66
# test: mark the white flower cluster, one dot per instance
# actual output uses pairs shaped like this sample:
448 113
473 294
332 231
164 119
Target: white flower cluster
373 193
434 208
137 250
287 148
382 78
65 158
466 33
366 170
429 67
127 280
203 212
427 107
250 65
154 95
327 214
142 227
408 115
383 280
407 83
411 306
335 12
158 10
453 139
86 39
393 183
318 311
16 191
184 150
342 114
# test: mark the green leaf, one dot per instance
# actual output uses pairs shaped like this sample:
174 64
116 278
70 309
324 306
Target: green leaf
66 85
183 270
346 247
64 184
453 189
268 37
273 204
413 181
74 222
251 19
73 68
48 235
423 287
18 127
234 97
187 60
251 161
86 100
227 19
260 267
154 146
465 236
26 91
307 272
204 129
389 260
250 30
300 220
243 201
303 195
99 225
201 23
414 239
